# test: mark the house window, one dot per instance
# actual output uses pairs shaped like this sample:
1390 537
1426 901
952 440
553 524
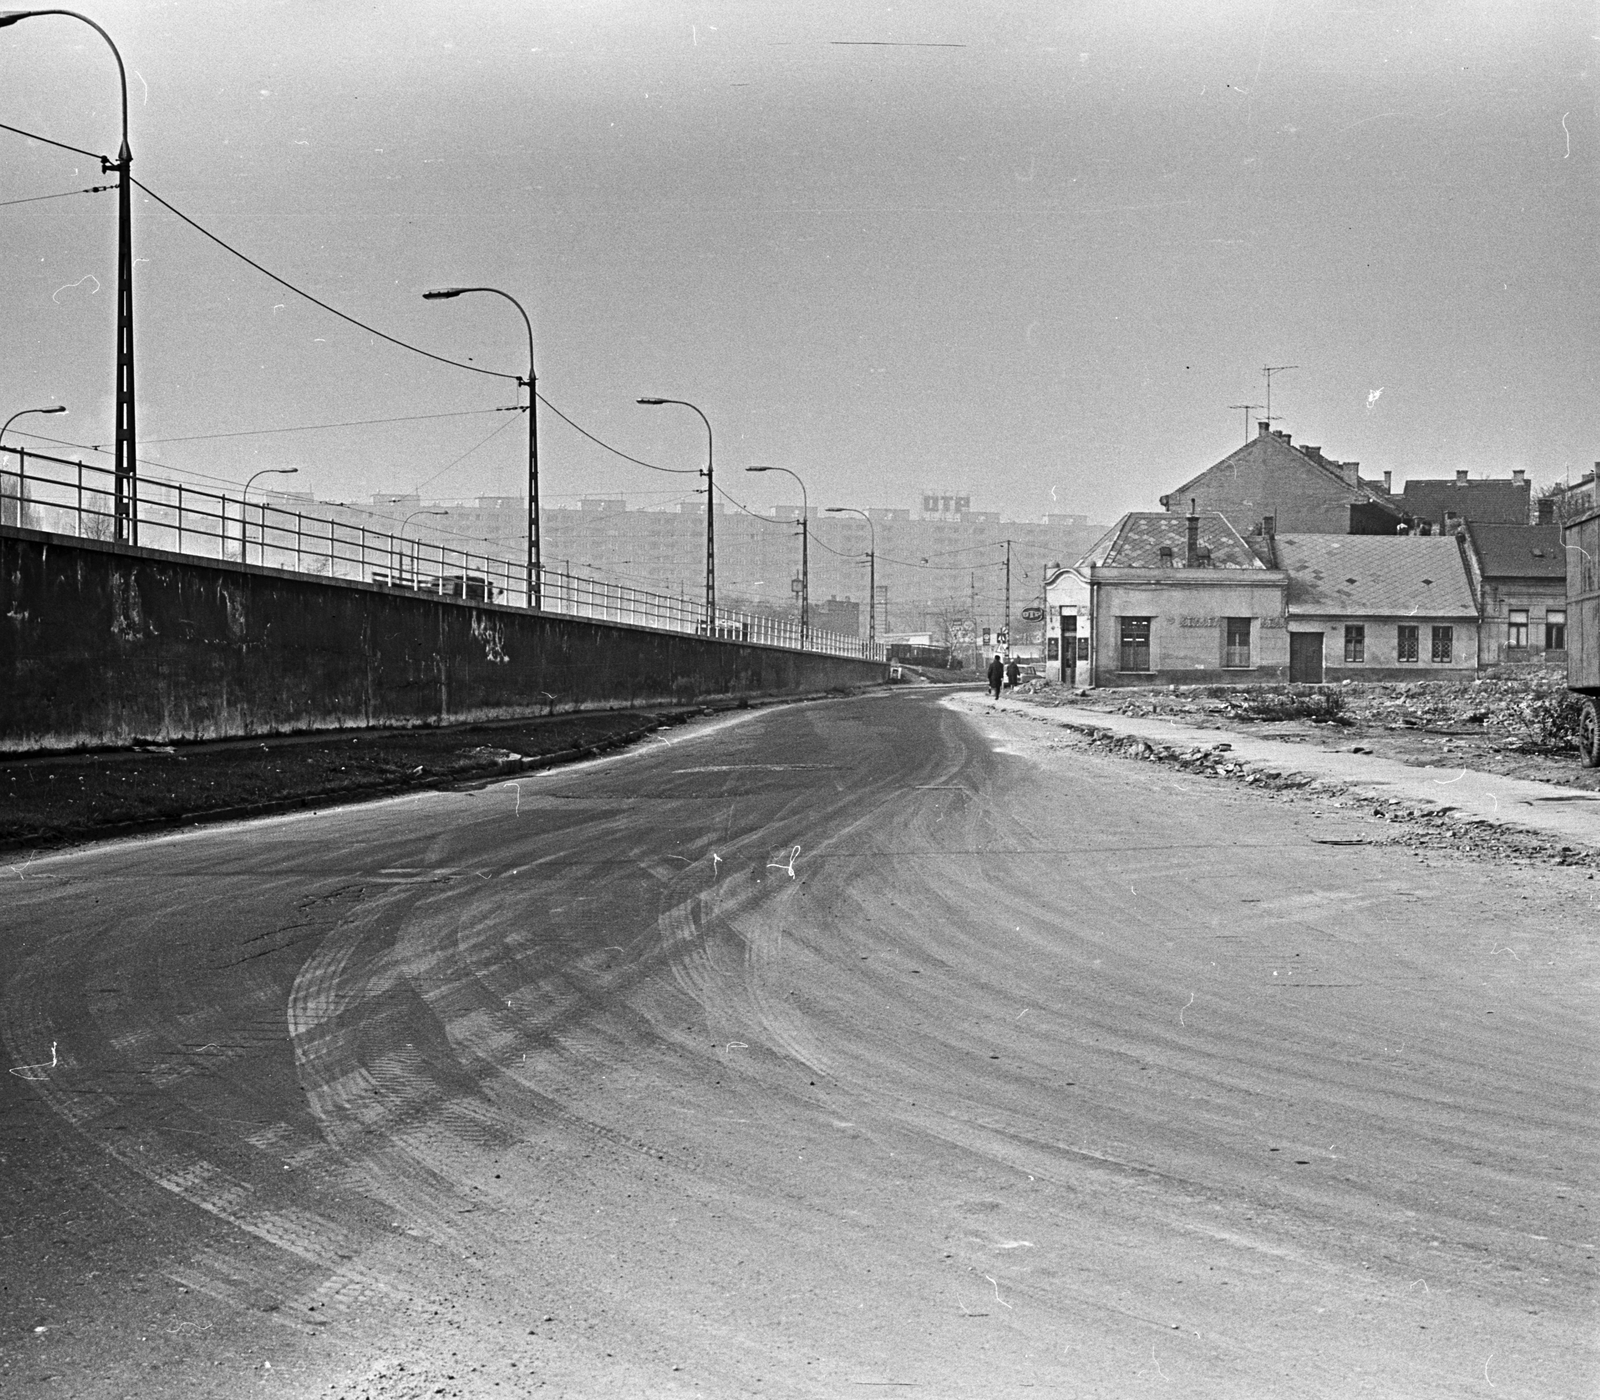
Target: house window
1517 627
1555 629
1406 644
1355 641
1237 652
1135 644
1443 643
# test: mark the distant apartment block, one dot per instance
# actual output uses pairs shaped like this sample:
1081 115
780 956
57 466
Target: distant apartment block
942 561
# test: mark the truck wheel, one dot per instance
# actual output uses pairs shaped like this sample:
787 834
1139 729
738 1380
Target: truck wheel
1589 734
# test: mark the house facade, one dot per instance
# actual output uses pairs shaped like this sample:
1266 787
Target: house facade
1522 582
1166 600
1378 608
1173 600
1269 485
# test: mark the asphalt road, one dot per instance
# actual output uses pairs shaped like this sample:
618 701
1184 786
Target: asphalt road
851 1048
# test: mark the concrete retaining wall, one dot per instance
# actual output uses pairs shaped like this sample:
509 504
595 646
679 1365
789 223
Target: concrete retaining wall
107 645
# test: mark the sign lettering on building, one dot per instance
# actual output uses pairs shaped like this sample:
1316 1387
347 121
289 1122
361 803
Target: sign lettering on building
1264 622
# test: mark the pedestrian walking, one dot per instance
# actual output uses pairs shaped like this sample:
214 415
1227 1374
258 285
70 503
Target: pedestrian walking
1013 673
997 675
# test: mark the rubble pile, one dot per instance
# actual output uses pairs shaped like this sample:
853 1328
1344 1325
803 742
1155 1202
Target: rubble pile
1419 826
1211 759
1533 710
1311 703
1527 709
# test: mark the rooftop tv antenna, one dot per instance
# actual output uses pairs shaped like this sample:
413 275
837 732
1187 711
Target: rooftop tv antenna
1269 371
1246 407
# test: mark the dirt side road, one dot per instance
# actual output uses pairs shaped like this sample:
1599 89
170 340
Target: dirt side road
839 1048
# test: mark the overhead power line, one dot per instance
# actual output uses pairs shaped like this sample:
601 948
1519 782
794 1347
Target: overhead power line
64 194
617 451
348 423
34 136
317 301
463 457
343 316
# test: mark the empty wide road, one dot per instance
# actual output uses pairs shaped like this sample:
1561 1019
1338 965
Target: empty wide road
847 1048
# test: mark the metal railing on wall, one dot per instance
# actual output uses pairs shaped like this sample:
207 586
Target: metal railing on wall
42 492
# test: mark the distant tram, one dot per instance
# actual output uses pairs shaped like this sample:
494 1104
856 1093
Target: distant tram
1581 532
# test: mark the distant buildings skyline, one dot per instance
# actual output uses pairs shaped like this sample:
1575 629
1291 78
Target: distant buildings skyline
935 567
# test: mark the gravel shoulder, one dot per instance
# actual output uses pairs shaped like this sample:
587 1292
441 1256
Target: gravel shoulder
1513 723
1444 803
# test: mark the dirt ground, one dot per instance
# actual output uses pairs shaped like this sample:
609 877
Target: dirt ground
864 1047
1510 722
56 799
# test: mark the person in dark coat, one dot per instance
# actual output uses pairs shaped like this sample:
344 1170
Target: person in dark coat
997 675
1013 673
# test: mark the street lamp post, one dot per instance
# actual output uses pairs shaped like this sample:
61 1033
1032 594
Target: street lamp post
127 516
805 553
54 408
872 569
535 583
414 514
711 508
244 506
22 459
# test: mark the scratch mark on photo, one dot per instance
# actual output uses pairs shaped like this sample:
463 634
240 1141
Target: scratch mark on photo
87 277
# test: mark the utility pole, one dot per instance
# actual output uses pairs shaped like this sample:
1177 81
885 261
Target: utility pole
1269 371
1246 407
1008 597
972 585
126 477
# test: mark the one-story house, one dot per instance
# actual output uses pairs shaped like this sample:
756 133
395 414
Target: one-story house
1378 607
1166 599
1187 600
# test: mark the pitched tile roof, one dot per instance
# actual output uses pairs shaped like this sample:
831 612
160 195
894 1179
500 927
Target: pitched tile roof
1499 500
1519 551
1270 455
1376 576
1136 541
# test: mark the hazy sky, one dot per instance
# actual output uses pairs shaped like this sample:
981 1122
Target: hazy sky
1033 251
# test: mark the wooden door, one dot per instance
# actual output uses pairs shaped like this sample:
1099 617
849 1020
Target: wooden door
1305 658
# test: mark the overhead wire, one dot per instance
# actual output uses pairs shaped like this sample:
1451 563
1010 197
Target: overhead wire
344 316
317 301
616 451
349 423
482 442
34 136
64 194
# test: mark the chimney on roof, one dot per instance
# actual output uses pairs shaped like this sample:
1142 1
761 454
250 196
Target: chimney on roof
1264 429
1282 437
1547 510
1351 472
1518 475
1269 525
1315 453
1388 483
1461 478
1192 553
